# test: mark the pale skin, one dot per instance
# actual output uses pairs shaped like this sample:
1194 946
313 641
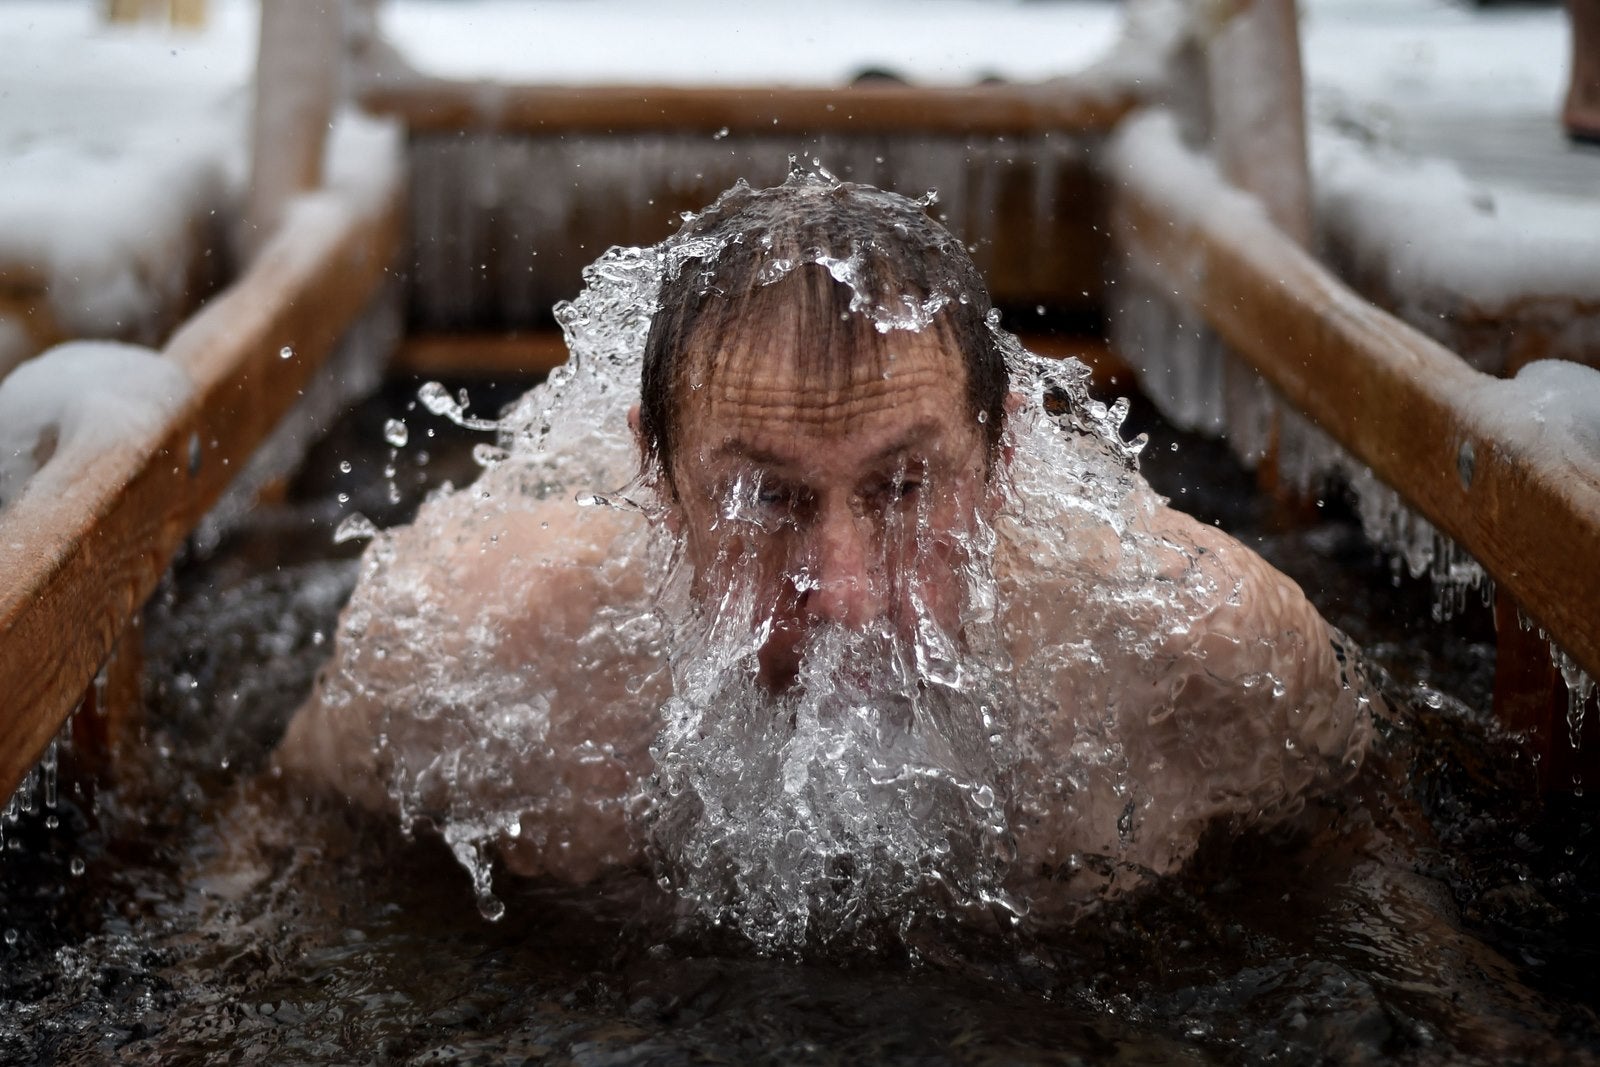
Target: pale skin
838 472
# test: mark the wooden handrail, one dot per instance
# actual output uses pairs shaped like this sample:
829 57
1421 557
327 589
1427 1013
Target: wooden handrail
433 105
1457 444
79 566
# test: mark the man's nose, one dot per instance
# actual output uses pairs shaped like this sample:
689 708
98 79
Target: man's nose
843 585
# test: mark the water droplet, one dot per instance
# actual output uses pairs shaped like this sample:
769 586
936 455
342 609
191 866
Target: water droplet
76 866
355 527
394 431
720 134
344 466
286 352
487 455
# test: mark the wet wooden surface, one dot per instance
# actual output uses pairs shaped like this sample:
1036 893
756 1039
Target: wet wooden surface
80 565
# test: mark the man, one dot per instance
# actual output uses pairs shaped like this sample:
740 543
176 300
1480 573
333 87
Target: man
893 608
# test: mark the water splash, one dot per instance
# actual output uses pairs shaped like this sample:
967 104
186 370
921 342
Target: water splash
354 527
437 399
602 702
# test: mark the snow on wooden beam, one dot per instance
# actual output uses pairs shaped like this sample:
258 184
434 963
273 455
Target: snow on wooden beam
434 105
1502 466
79 566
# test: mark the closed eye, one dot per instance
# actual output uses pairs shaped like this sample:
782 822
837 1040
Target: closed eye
898 490
778 498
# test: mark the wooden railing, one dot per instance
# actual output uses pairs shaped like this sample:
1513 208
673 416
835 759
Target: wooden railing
79 567
431 105
1459 445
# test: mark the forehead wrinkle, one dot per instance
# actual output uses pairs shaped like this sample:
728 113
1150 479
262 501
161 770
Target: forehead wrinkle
846 400
914 435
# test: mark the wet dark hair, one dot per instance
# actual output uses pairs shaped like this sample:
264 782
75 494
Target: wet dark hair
826 263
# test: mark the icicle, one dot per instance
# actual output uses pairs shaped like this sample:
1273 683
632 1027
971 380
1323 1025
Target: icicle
1579 688
47 771
1249 411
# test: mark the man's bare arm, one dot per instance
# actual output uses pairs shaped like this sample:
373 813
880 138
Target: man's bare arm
477 675
1185 679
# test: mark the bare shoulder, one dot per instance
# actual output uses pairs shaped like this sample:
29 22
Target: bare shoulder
1211 684
477 605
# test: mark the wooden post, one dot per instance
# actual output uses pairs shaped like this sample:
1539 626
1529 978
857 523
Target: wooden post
296 77
190 14
1255 92
1257 101
1530 698
1581 112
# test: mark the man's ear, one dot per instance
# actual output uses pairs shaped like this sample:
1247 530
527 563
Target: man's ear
671 516
1014 402
638 438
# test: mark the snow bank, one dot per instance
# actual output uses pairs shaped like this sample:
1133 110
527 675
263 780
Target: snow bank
60 411
116 143
1432 233
1382 57
711 42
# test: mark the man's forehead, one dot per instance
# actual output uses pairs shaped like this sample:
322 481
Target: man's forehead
920 391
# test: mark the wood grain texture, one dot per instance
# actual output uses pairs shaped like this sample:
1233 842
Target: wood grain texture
433 105
78 566
1399 402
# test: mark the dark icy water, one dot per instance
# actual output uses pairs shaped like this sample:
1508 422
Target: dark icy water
194 913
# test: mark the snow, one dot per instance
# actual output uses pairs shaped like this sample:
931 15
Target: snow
1389 58
62 410
711 42
1434 232
115 140
1553 407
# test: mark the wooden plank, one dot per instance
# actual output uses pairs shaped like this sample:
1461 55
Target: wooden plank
79 566
443 105
1402 404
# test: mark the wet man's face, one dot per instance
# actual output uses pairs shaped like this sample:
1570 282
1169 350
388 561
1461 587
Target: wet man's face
850 502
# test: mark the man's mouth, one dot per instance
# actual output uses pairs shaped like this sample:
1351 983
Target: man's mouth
779 658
